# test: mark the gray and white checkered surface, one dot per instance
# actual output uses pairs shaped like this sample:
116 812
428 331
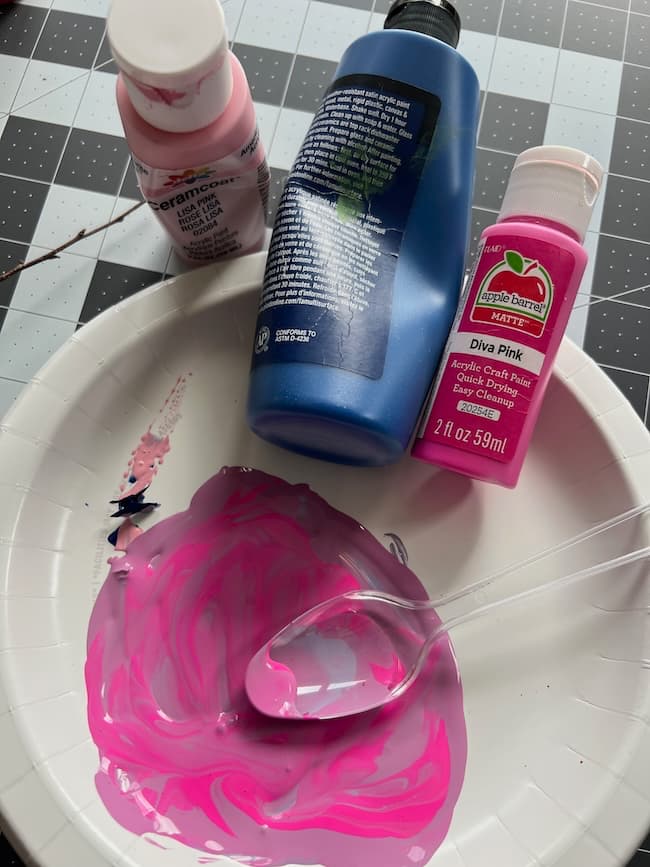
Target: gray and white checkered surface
551 71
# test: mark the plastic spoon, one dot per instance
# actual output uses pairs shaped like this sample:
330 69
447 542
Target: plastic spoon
385 640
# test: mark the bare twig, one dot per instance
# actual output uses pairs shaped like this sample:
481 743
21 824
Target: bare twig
81 234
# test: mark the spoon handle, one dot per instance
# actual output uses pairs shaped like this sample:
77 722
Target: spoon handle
512 568
475 610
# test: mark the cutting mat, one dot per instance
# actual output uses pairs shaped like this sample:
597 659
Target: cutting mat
558 71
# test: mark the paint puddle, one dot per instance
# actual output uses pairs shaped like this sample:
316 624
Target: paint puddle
182 751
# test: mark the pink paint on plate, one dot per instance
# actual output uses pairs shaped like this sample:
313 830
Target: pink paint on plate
182 751
154 444
126 533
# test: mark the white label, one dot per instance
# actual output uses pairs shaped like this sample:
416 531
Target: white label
212 210
499 349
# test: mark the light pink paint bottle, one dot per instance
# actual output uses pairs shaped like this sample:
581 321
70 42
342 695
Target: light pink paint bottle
489 388
189 120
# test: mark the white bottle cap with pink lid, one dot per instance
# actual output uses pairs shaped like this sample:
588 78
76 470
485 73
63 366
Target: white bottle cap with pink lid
556 183
174 60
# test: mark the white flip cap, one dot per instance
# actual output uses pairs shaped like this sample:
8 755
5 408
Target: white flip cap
556 183
174 58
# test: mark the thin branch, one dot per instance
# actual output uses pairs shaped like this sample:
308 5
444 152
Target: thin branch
81 234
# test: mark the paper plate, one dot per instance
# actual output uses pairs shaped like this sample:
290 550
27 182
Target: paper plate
557 696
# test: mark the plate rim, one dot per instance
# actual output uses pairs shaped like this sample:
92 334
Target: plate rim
589 386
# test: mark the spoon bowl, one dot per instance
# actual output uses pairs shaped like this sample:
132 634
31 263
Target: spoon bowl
347 655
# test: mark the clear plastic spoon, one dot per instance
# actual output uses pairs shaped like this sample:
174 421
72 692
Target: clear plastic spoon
383 640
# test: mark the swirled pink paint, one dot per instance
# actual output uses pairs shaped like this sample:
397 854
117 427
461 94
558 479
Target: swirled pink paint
182 751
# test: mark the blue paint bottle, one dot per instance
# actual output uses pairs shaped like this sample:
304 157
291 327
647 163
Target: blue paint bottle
367 254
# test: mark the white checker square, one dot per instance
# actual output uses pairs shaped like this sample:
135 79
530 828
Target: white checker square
67 211
376 22
138 241
50 92
98 108
523 69
275 24
327 35
43 4
83 7
478 49
588 82
27 341
267 119
12 70
289 135
56 287
232 10
587 130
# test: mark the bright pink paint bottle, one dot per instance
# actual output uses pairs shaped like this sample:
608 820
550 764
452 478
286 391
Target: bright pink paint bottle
189 120
489 388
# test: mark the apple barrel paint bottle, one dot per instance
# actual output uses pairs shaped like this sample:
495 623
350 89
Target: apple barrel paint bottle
367 255
189 120
488 392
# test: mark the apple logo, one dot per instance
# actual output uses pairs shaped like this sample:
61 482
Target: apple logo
518 280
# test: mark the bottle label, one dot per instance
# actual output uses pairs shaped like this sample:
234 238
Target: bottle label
497 347
328 286
213 210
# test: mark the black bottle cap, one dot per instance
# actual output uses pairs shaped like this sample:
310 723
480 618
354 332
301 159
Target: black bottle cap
436 18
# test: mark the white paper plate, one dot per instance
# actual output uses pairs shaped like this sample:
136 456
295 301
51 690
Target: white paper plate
557 692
